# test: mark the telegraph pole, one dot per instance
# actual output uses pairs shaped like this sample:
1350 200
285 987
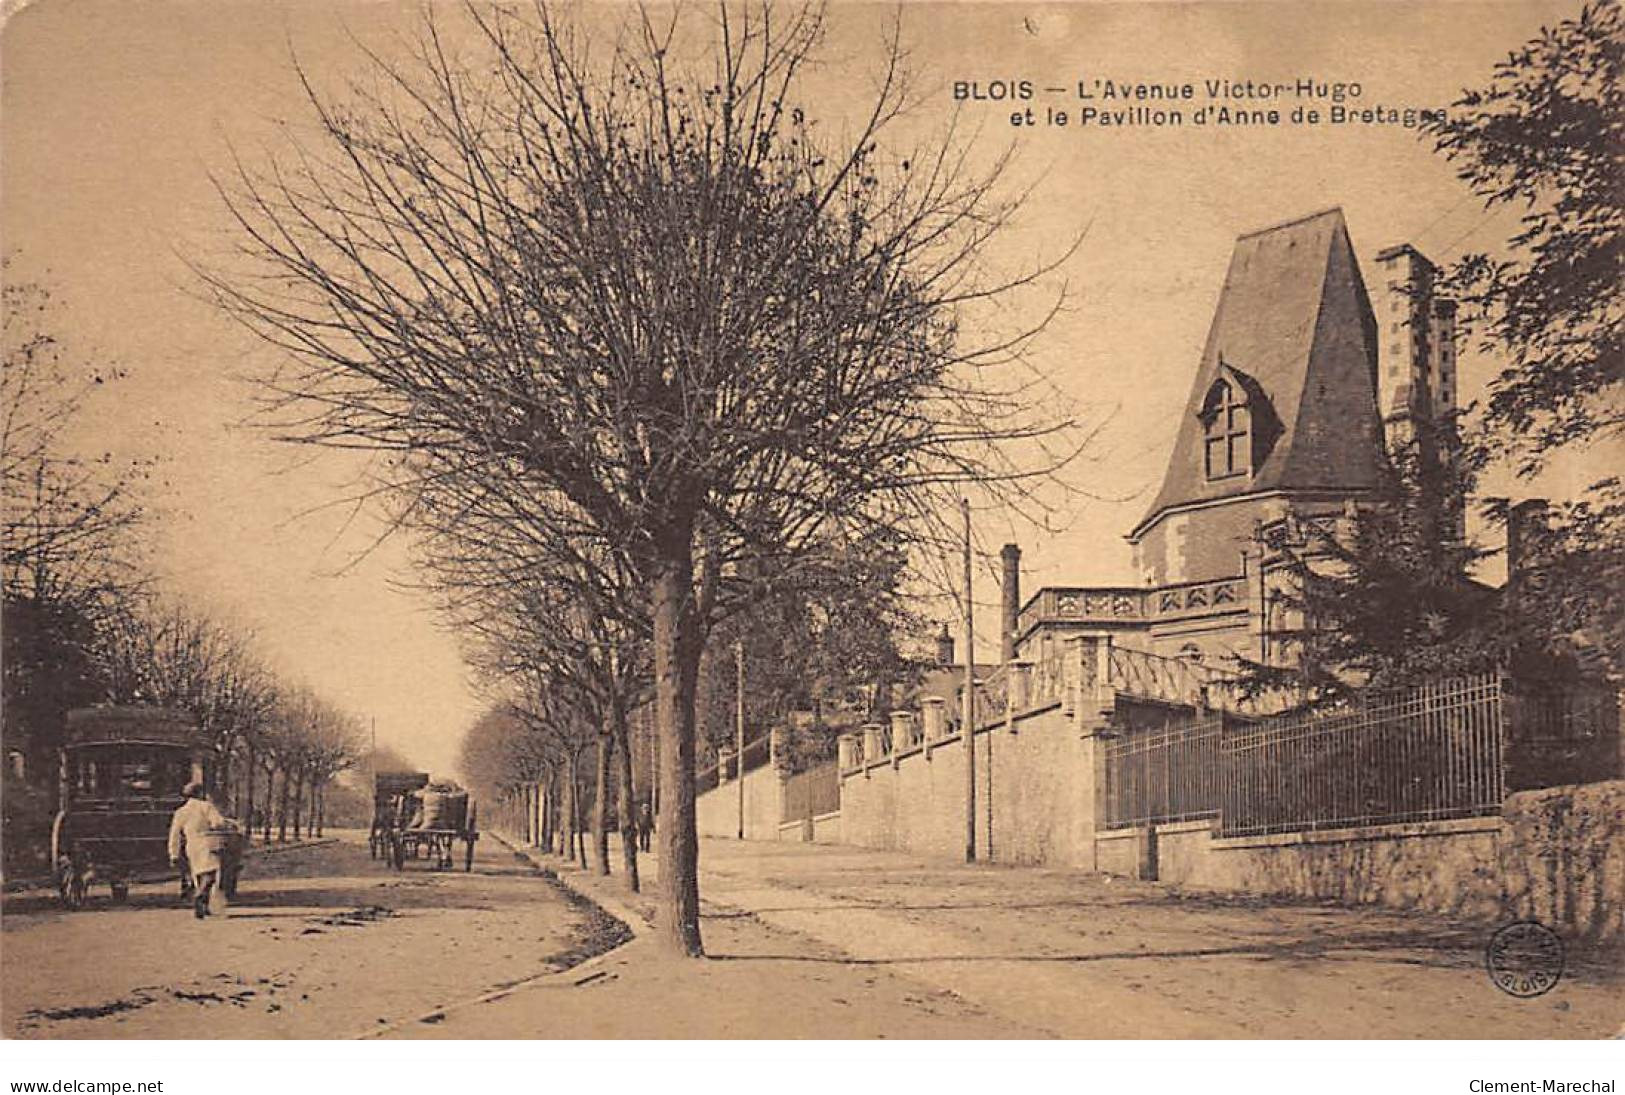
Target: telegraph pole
739 729
967 727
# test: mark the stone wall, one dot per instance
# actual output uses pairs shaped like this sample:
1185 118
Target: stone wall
717 810
1561 859
1557 856
1031 806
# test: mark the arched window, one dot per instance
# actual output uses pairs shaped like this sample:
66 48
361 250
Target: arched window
1227 432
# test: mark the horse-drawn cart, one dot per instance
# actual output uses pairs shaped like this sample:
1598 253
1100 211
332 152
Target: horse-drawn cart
426 821
388 792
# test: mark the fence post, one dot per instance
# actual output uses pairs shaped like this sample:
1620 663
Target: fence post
843 751
934 720
871 746
1017 691
1105 687
902 734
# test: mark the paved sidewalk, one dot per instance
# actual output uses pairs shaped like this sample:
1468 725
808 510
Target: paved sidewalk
1071 955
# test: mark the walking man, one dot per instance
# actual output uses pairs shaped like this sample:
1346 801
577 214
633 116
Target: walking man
189 842
646 825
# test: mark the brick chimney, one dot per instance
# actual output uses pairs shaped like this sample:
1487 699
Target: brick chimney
1010 556
945 647
1525 523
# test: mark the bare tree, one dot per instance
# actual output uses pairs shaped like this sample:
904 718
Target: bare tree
168 654
640 294
68 523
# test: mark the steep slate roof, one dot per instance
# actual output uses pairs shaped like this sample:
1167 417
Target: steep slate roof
1294 319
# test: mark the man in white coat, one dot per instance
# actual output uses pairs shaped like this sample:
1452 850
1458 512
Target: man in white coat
189 836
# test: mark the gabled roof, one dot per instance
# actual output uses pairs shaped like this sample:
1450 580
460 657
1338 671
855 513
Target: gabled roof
1294 321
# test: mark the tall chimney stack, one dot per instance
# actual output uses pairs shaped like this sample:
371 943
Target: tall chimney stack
1525 523
1011 558
945 647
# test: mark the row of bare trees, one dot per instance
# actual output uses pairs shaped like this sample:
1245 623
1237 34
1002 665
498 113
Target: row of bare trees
637 343
85 623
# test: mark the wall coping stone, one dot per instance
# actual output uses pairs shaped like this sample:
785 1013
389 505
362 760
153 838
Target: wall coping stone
1449 827
1175 827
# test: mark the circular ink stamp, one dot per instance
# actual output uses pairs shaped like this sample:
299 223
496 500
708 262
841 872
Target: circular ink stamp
1524 959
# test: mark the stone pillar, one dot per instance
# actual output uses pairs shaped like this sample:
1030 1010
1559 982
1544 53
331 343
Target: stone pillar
902 733
844 747
934 720
1105 694
1010 557
872 751
1020 688
1526 523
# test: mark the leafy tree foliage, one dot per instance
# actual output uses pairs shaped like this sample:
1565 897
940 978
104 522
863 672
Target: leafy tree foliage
1545 135
1380 597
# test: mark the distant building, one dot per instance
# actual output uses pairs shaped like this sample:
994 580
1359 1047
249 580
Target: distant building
1300 389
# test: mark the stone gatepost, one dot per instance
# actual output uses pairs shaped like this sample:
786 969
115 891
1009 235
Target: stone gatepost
845 745
1018 690
934 721
903 730
1093 707
872 750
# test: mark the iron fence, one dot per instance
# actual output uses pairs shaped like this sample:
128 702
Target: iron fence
1424 754
1428 753
1165 776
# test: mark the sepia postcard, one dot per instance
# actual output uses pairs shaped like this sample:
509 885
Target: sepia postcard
940 521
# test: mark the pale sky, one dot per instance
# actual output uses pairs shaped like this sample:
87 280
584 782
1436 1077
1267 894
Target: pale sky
112 114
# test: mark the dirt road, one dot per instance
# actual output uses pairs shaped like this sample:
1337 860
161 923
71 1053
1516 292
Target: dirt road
321 943
802 942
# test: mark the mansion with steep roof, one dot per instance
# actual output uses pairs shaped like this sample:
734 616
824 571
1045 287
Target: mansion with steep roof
1306 377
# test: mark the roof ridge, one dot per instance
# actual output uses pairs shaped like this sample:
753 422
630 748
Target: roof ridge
1329 210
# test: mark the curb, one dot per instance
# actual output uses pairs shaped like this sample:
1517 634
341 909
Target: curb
630 917
569 977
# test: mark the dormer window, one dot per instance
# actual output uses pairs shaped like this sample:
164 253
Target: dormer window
1227 431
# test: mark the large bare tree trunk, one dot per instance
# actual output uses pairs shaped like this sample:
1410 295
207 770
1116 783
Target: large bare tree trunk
626 799
282 811
298 802
578 846
600 805
676 658
270 790
249 770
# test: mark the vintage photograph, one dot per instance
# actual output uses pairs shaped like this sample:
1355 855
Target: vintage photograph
964 521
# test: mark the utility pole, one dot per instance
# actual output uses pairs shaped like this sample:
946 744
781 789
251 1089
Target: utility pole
739 729
967 728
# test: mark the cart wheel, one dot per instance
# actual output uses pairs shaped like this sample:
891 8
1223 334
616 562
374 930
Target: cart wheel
468 856
70 886
397 849
228 882
121 892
